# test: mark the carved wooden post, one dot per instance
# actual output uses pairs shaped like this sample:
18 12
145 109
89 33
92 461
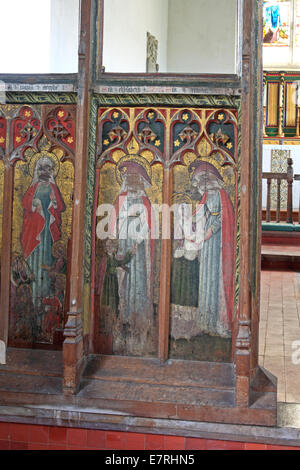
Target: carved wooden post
281 106
248 372
290 179
278 201
268 208
165 274
242 351
73 354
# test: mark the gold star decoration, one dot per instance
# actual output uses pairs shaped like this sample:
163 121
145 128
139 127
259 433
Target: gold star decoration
2 140
221 117
106 142
61 114
70 140
229 145
157 143
115 114
27 113
177 143
151 115
18 140
185 117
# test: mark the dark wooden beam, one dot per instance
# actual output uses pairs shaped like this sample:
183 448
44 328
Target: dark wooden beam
73 353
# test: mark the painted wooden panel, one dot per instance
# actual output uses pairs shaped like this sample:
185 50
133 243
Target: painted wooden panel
40 149
203 261
135 148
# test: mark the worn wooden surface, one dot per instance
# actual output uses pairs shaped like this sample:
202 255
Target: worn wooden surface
73 353
137 387
154 389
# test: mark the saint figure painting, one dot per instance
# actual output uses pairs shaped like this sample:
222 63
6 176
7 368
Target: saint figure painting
203 268
39 271
43 205
126 269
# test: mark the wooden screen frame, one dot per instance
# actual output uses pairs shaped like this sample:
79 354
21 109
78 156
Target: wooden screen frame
150 78
250 380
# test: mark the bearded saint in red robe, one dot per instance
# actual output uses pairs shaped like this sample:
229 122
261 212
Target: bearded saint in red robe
43 205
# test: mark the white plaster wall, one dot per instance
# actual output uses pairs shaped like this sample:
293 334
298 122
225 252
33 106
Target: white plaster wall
202 36
276 56
25 33
64 35
266 166
126 23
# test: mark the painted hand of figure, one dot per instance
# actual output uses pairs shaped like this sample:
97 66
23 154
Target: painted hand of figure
208 234
53 200
134 248
37 204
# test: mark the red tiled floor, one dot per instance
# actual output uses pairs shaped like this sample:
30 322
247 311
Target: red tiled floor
193 443
134 441
211 444
115 440
19 432
95 439
82 439
57 435
39 434
36 446
4 430
154 442
174 443
4 445
77 437
19 445
254 446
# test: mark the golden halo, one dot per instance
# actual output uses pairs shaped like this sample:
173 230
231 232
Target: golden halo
42 154
133 158
181 198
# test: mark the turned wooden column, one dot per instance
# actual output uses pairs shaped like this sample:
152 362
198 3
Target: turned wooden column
248 118
73 353
290 180
265 104
281 106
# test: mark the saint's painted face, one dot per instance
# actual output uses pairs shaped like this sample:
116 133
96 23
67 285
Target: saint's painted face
134 176
134 182
111 246
44 170
202 182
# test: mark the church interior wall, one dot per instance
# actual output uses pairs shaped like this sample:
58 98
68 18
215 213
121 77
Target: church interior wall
125 38
190 42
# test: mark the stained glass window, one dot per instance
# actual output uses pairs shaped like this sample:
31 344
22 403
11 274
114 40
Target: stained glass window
277 23
281 33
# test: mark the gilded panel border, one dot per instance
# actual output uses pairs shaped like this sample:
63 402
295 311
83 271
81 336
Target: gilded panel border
151 100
